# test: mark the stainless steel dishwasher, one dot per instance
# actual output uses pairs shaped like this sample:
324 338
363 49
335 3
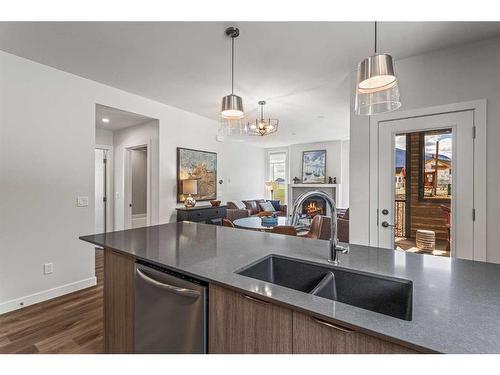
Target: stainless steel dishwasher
170 312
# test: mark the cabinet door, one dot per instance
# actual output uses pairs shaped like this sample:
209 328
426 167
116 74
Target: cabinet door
118 302
315 336
242 324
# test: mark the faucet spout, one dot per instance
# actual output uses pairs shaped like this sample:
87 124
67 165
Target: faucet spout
334 242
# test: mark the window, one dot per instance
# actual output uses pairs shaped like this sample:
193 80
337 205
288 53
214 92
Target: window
436 161
277 173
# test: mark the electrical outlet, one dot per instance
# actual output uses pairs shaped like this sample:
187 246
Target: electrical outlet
82 201
48 268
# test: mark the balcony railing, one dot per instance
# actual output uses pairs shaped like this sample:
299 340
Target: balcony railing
400 218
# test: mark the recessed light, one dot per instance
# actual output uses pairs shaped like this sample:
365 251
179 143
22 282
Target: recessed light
105 120
294 133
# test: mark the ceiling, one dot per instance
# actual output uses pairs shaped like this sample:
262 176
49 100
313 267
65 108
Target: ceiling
118 119
300 68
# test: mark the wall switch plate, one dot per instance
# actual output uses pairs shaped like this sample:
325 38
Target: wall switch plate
48 268
82 201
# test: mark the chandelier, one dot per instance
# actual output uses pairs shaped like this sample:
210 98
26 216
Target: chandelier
262 126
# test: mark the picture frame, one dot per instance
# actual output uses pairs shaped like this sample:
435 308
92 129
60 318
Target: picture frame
314 167
200 165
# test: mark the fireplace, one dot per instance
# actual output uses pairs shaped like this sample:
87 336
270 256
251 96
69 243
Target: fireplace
314 206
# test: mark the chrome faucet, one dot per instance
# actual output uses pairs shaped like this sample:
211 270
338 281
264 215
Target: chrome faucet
334 242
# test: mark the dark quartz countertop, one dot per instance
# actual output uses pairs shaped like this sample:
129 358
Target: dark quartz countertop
456 303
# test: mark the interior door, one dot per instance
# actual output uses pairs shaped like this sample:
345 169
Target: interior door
100 191
462 201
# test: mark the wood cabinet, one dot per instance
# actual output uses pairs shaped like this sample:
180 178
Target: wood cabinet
239 323
118 302
202 214
316 336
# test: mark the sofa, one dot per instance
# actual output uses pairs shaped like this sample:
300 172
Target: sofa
251 208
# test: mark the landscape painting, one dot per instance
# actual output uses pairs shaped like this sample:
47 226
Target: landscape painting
314 167
201 165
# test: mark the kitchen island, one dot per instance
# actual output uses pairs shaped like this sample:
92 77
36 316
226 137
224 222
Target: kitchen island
455 309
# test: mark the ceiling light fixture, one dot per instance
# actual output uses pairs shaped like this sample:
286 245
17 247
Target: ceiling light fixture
105 120
232 105
263 126
377 88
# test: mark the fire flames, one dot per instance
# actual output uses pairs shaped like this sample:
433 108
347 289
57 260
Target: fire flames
312 209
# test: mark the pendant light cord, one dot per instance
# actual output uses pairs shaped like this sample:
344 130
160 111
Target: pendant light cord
375 37
262 112
232 65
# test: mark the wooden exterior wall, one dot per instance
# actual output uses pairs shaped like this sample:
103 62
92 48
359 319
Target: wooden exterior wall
423 214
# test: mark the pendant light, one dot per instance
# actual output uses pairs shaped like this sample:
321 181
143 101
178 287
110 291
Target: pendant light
232 105
263 126
377 89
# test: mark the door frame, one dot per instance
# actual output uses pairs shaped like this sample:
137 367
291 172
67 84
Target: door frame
478 107
109 185
127 183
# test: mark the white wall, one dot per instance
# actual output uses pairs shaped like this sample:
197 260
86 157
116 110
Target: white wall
345 177
103 137
337 163
447 76
144 134
333 158
47 141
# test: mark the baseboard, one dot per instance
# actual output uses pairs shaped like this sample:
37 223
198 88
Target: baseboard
45 295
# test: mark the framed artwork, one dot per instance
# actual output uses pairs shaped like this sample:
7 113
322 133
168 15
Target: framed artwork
314 167
199 165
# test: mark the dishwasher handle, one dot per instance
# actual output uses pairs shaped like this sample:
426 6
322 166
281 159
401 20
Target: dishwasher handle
184 292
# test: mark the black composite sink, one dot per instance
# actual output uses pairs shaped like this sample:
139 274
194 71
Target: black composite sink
385 295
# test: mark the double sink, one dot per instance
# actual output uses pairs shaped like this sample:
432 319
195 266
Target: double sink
385 295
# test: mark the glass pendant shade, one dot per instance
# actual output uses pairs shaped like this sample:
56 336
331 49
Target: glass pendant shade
232 107
377 88
232 128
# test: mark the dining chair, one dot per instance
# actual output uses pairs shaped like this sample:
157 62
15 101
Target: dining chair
285 229
319 229
227 223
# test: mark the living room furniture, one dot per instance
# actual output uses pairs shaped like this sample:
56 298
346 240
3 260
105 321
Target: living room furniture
227 223
202 214
343 225
285 229
320 228
254 223
252 208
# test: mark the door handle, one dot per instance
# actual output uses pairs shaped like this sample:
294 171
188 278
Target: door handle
385 224
170 288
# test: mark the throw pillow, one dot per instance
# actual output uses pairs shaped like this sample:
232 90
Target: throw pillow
239 205
267 206
276 204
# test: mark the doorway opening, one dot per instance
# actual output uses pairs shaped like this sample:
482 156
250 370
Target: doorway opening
127 162
423 183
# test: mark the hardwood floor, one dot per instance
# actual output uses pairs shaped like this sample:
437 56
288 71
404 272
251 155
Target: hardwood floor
69 324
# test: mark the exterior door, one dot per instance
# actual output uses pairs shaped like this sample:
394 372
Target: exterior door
461 125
